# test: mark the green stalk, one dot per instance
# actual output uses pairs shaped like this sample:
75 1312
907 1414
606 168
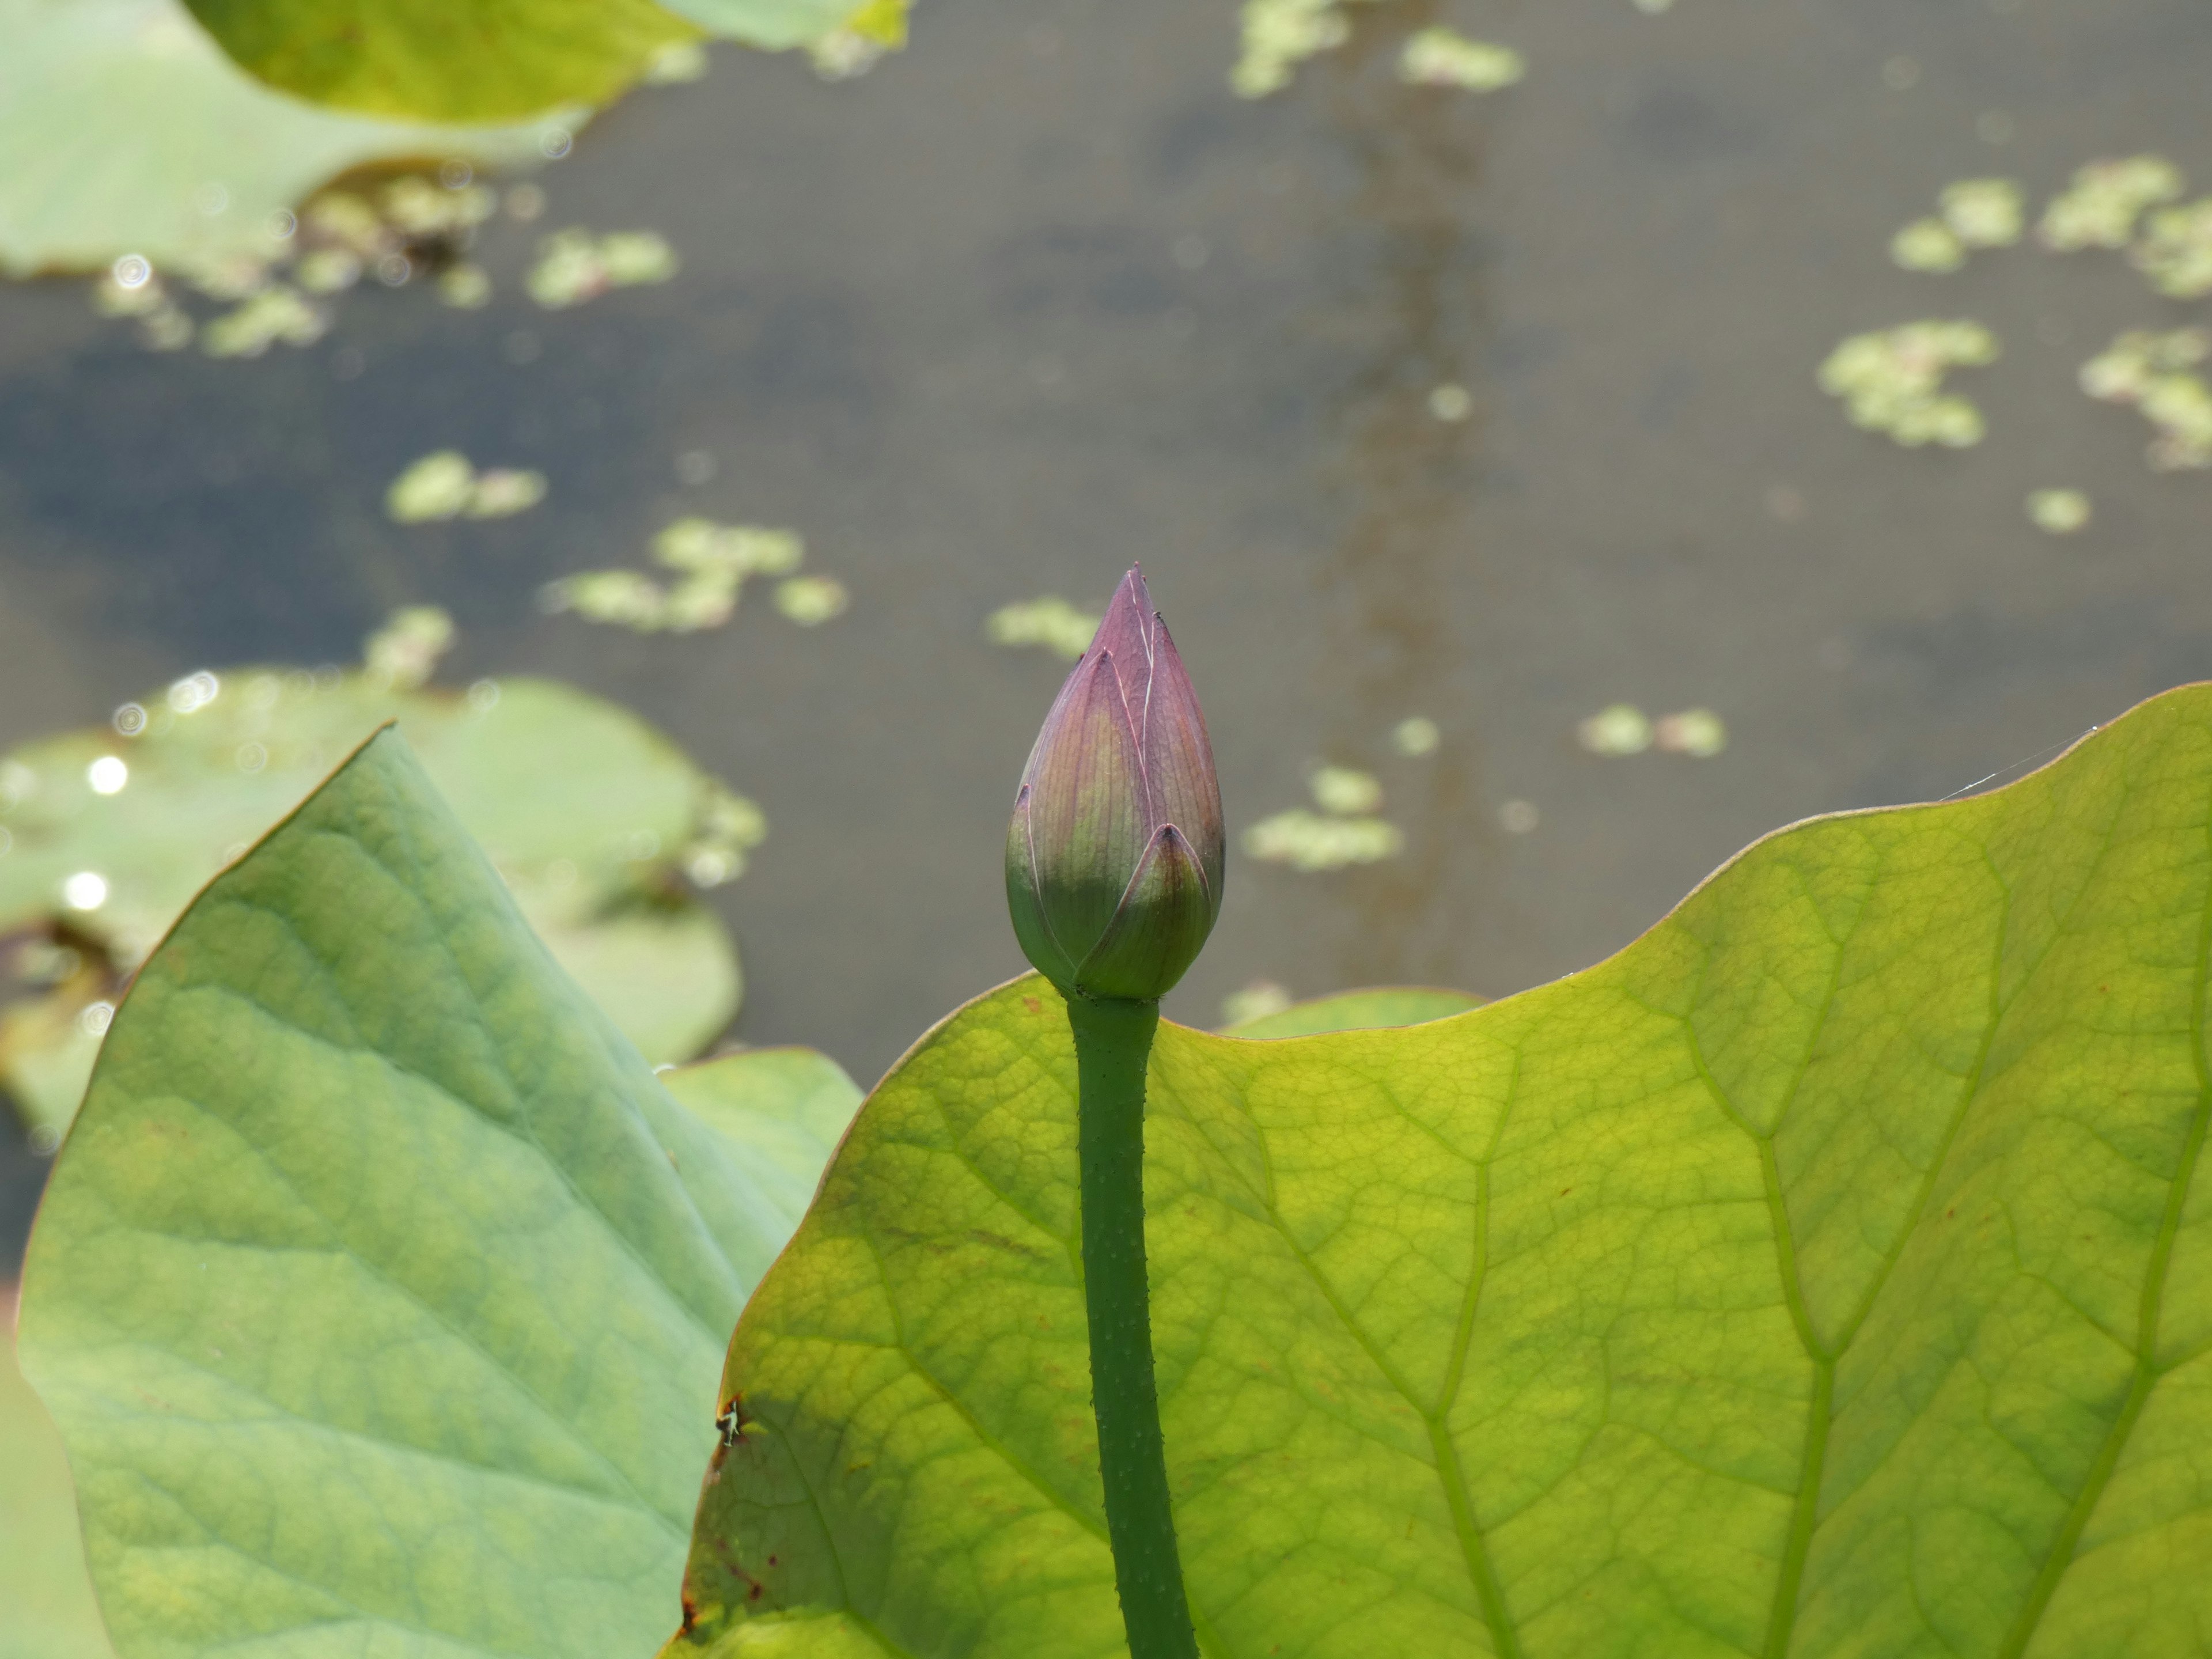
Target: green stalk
1113 1041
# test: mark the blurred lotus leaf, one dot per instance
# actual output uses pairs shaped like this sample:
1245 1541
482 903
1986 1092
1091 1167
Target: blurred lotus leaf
778 24
444 60
125 131
601 827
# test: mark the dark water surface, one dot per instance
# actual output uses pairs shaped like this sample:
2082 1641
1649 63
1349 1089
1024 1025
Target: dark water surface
1040 296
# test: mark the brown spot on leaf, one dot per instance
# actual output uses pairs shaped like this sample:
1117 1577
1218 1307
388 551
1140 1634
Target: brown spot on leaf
1034 1005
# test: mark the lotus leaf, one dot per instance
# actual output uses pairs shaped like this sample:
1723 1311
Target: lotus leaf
122 126
379 1291
444 60
1824 1275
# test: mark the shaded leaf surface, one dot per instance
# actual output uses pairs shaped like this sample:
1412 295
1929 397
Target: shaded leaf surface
443 60
1827 1273
379 1292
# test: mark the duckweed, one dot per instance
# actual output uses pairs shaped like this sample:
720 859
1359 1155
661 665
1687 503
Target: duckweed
1983 212
2099 208
810 601
444 485
2058 512
1344 832
2176 250
2155 373
716 561
1444 57
1280 35
1891 382
1415 736
1310 842
1051 622
1697 733
1620 728
403 654
1928 244
1345 792
573 266
465 286
277 312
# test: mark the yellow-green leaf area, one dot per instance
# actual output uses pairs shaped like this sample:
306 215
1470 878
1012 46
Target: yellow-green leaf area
443 60
1827 1273
379 1291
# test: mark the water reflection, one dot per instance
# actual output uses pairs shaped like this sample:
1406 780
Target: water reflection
1404 474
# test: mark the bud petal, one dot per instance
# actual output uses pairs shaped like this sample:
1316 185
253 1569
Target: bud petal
1026 906
1179 763
1125 633
1086 808
1158 929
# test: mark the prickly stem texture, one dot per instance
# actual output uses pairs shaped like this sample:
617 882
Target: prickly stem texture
1113 1041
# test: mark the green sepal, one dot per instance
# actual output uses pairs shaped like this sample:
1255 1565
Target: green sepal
1158 929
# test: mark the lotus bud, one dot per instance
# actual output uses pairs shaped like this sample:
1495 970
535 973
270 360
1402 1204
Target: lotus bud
1114 857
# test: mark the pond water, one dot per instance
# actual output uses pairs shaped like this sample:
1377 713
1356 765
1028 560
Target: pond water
1491 410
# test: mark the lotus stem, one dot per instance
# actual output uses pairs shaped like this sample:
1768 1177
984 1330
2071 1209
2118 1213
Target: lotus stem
1113 1041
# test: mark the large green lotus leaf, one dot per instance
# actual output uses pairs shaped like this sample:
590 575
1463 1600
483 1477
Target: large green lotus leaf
379 1290
586 810
120 118
444 60
47 1598
1824 1274
772 25
1357 1011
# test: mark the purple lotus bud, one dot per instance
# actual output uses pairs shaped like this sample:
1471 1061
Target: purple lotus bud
1114 857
